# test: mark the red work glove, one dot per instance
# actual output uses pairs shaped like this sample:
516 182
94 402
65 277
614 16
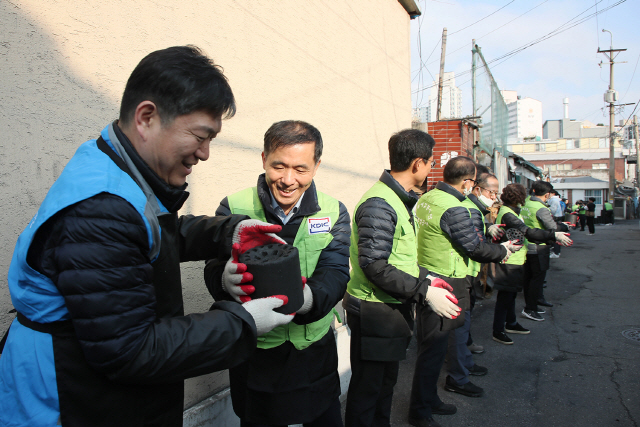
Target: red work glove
441 300
252 232
308 298
234 274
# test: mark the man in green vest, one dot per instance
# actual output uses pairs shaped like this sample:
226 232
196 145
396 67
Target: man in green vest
536 214
447 240
608 212
292 378
582 213
386 281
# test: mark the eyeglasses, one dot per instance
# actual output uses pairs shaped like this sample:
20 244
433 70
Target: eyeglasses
433 162
474 181
493 193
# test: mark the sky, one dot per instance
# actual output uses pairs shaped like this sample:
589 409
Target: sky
565 65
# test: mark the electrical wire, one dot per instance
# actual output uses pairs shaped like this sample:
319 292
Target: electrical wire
482 19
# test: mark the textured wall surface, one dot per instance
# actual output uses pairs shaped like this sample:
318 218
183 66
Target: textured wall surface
342 66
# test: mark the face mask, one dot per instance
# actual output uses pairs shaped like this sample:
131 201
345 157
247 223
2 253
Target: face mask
467 191
484 199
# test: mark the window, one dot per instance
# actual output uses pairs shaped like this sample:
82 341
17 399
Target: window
593 193
541 147
576 143
565 167
569 143
599 166
603 143
550 167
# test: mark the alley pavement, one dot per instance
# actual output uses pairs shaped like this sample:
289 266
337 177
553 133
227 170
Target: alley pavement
580 366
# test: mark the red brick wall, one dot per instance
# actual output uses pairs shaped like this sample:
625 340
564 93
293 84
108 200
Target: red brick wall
450 136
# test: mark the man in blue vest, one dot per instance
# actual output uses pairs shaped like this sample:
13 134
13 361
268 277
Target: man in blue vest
386 281
101 338
292 378
447 239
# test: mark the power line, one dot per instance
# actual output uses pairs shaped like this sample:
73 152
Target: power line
482 19
564 27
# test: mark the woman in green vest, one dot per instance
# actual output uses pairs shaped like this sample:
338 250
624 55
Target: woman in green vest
510 275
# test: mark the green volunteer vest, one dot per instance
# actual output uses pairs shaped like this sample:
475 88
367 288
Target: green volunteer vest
575 208
474 266
528 212
435 250
310 246
519 257
404 253
608 206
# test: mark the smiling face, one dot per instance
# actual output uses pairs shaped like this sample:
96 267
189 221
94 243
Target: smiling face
289 171
172 150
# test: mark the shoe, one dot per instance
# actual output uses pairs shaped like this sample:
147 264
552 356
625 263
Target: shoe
544 284
468 389
543 302
591 234
423 422
502 338
541 310
478 371
554 255
516 329
444 409
475 348
530 314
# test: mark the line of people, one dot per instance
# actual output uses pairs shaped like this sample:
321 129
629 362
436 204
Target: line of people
101 338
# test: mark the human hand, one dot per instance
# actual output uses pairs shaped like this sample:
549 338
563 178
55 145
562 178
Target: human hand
262 311
252 232
234 274
495 231
563 238
308 298
441 300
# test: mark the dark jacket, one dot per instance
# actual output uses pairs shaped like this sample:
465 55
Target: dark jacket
510 277
130 347
389 324
457 224
283 385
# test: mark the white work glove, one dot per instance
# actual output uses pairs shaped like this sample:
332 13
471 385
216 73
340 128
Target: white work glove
563 238
234 274
440 298
506 257
266 319
252 232
308 298
511 246
495 231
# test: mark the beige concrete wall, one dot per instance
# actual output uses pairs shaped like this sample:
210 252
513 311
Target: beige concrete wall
344 66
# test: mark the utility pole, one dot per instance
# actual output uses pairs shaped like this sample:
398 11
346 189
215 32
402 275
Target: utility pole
473 76
442 54
611 96
636 137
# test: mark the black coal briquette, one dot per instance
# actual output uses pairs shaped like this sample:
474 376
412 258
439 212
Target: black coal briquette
276 271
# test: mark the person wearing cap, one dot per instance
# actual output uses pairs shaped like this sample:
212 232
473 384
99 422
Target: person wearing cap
510 275
536 214
292 378
386 281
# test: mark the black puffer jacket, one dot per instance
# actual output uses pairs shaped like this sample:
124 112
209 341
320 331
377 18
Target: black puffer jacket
127 311
458 225
376 221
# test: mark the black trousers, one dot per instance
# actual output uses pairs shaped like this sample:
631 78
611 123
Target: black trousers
505 310
583 221
592 229
332 417
432 348
371 388
534 275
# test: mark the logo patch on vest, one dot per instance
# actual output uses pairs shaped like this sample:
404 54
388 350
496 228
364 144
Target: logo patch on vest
319 225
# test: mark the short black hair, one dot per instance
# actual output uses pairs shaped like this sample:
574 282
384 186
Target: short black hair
540 188
292 132
406 146
482 178
179 80
592 199
458 169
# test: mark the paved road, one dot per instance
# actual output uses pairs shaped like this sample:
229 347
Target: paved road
576 368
